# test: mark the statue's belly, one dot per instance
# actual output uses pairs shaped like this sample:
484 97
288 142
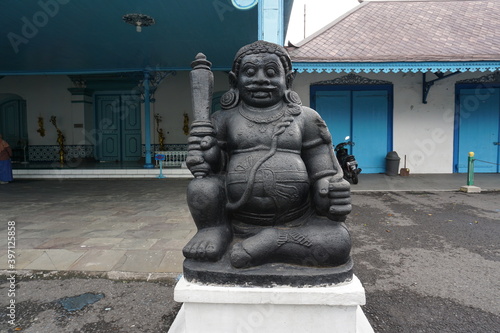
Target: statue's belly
279 190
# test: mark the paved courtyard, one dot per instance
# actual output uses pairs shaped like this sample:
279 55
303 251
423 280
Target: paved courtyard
98 225
427 255
133 225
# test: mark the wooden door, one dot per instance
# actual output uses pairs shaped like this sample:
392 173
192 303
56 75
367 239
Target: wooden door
365 116
13 126
478 123
118 119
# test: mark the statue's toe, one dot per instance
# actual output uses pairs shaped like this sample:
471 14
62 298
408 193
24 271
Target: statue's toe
239 257
207 245
212 252
201 250
188 251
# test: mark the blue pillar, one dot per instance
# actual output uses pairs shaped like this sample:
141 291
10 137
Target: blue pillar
147 122
271 27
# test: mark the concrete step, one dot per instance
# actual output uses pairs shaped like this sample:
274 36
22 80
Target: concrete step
99 173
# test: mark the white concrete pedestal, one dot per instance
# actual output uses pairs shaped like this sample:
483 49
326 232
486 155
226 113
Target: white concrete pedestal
223 309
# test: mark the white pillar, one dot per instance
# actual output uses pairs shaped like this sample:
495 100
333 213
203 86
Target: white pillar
82 116
271 27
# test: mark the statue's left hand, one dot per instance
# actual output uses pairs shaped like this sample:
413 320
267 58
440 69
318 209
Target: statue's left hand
332 198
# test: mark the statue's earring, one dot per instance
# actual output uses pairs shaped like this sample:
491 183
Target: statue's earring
230 99
293 103
292 97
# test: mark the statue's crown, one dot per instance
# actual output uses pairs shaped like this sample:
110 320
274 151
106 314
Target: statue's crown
262 46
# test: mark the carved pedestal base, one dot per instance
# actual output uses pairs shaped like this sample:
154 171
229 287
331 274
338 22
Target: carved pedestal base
226 309
267 275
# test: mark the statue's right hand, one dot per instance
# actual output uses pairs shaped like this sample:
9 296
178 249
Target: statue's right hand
201 143
195 153
194 160
208 142
203 154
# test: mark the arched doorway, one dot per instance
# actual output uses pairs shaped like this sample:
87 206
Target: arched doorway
13 123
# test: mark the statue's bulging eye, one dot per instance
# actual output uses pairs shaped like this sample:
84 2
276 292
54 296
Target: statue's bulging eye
250 71
271 72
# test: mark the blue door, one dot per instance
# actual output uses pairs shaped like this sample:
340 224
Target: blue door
13 125
131 128
118 119
370 132
365 116
335 109
477 130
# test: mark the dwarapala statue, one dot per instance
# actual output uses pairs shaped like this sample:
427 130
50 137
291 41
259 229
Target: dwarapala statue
267 186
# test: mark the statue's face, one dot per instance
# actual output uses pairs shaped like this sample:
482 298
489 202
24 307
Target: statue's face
261 80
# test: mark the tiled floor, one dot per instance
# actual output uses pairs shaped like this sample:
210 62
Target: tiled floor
133 225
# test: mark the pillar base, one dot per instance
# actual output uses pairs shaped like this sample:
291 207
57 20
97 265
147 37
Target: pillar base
279 309
470 189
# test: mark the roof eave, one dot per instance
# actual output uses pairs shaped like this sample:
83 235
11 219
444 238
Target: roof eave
396 67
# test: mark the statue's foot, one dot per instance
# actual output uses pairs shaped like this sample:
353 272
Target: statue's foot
209 244
255 249
239 256
318 244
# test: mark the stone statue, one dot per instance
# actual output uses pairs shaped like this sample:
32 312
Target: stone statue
267 187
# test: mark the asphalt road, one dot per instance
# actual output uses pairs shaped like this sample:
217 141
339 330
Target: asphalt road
430 262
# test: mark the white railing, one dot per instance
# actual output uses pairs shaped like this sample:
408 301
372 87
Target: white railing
173 158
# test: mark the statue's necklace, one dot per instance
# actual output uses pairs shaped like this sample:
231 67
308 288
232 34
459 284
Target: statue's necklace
262 117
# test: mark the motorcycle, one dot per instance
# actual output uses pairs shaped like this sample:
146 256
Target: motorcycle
347 162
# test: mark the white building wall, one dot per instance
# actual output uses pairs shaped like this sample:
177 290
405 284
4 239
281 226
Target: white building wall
173 100
422 132
48 95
